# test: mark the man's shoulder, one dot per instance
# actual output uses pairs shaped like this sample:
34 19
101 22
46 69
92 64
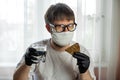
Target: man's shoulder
84 50
45 41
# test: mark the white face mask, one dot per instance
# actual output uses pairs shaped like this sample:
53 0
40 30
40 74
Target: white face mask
63 38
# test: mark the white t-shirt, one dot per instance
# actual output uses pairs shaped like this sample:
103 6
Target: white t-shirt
58 65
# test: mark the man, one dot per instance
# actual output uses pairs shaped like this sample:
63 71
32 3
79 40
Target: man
59 64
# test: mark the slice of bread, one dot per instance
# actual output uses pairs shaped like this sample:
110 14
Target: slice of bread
74 48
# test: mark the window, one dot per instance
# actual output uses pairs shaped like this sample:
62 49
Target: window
22 23
11 31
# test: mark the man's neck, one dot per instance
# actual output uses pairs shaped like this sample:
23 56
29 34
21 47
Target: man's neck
57 47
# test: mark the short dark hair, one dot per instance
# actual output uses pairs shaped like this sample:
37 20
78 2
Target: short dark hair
59 11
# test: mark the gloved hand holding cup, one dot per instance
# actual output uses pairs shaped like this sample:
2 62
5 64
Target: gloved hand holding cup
35 54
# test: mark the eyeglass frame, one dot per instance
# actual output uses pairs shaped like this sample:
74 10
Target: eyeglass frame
63 26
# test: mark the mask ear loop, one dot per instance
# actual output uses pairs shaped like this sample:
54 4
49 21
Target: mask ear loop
51 28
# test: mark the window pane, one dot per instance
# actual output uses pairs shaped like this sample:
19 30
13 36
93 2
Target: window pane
11 31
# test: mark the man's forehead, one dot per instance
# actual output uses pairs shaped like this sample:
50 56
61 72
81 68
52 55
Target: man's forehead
63 21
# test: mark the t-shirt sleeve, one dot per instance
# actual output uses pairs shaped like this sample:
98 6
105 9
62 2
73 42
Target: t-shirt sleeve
91 67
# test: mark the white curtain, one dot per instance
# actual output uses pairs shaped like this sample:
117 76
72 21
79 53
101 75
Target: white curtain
22 23
115 38
11 36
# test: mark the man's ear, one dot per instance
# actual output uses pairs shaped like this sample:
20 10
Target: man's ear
48 28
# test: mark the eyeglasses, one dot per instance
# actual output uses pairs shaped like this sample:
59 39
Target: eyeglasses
61 27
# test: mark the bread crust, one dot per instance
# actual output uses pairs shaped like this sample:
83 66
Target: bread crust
74 48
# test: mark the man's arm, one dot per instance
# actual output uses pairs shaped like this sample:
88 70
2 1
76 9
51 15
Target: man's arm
86 76
83 62
22 72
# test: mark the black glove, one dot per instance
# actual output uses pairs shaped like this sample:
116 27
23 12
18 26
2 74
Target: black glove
83 61
31 57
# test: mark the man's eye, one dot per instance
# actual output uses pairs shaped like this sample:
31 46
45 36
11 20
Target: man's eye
58 26
70 25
